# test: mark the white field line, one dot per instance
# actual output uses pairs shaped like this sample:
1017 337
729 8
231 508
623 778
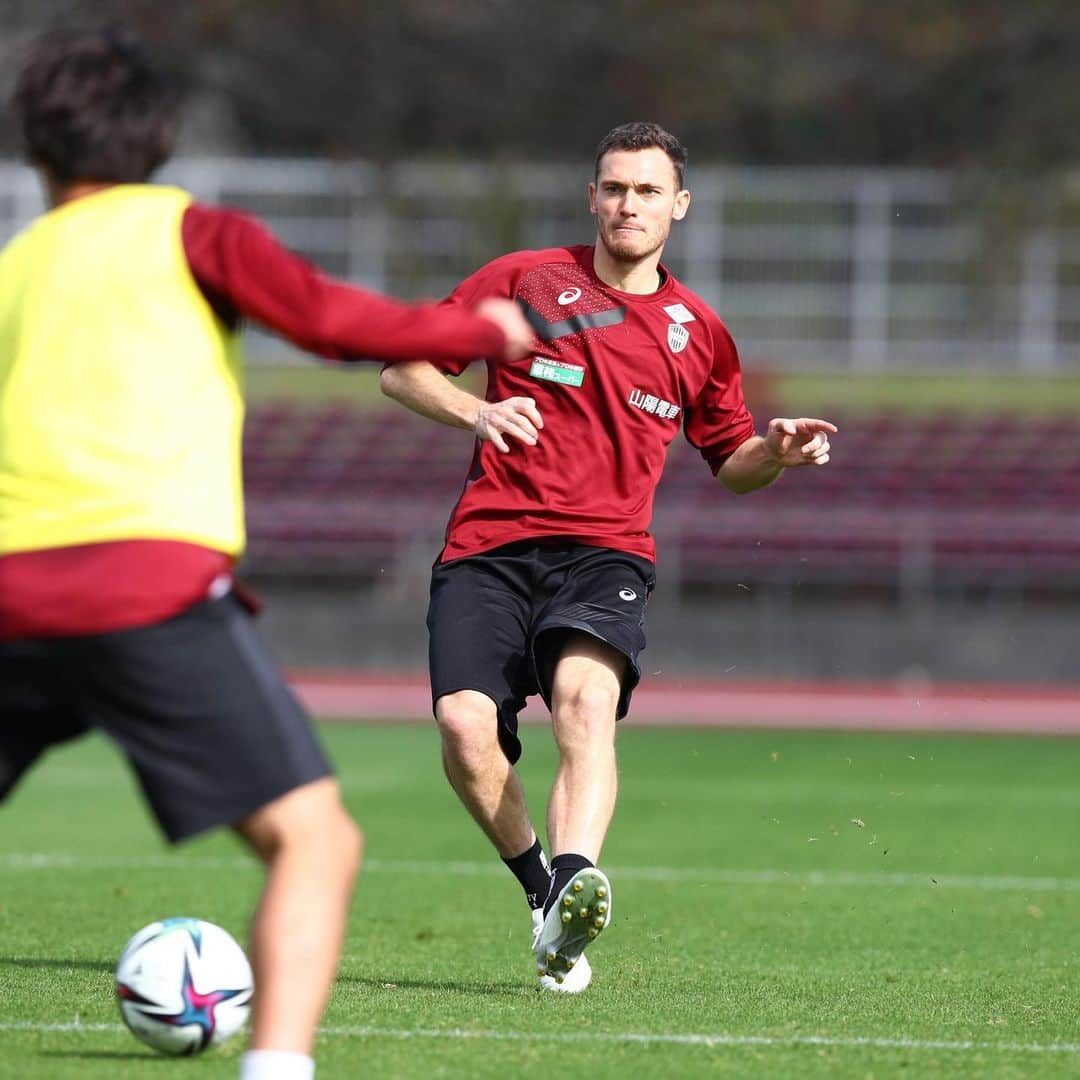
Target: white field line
638 1038
701 875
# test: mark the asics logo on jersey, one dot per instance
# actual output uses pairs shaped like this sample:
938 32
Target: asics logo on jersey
569 296
650 403
627 595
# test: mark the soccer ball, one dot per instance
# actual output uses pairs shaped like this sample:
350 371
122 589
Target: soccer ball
183 985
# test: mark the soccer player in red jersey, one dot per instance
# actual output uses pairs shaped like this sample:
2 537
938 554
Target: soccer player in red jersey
542 584
121 512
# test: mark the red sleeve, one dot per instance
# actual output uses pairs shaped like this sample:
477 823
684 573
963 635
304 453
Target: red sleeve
719 422
497 278
239 265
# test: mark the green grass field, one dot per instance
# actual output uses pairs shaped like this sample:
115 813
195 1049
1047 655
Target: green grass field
785 905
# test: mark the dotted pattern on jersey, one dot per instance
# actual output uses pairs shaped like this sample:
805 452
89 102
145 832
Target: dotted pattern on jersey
541 287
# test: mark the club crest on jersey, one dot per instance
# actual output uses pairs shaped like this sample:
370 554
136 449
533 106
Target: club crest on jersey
678 337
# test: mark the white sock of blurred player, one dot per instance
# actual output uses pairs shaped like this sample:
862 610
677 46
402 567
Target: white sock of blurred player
276 1065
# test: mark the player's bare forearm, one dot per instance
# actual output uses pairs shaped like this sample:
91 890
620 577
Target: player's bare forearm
786 444
420 386
750 467
424 389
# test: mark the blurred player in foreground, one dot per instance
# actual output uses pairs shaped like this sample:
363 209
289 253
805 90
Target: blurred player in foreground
548 563
121 510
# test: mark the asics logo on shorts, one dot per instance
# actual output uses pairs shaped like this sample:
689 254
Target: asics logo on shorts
627 595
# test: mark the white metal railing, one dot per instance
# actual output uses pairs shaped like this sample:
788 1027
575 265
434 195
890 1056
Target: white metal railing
865 269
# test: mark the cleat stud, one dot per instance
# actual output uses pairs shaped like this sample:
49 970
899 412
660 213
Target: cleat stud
601 907
578 886
584 912
598 922
570 964
592 933
568 901
601 892
566 916
552 956
559 978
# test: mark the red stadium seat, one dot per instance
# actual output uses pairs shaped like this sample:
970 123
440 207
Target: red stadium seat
949 499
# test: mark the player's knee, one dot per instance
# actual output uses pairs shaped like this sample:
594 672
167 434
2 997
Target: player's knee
308 822
338 835
348 844
585 717
468 724
591 706
334 847
331 828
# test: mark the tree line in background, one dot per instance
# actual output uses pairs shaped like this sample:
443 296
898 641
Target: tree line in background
992 83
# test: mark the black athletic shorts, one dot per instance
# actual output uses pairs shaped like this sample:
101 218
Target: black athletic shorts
203 716
497 621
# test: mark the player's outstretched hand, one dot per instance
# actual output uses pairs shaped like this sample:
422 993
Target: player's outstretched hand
507 316
517 418
804 441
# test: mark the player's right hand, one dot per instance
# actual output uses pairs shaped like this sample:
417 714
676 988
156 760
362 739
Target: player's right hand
507 316
516 418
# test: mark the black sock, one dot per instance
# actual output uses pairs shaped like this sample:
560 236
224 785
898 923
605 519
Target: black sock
531 869
563 868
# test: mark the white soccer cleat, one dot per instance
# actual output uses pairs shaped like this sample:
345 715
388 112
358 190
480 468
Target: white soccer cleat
579 976
573 982
580 912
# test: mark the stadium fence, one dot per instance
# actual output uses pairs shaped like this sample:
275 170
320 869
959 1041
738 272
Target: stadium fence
859 269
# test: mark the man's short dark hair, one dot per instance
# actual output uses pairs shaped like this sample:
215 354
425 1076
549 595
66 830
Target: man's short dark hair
92 107
641 135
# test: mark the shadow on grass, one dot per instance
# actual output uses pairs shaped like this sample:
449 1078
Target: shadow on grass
395 983
54 962
106 1055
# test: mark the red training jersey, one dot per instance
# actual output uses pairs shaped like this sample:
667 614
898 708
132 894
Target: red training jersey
243 272
615 376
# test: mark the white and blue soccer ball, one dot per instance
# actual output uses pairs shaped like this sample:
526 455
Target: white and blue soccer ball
183 985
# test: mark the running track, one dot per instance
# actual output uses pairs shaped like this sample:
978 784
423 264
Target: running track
342 695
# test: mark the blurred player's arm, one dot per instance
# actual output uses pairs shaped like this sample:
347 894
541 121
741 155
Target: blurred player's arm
422 387
786 444
244 272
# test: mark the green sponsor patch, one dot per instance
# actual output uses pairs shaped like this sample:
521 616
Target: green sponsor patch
557 371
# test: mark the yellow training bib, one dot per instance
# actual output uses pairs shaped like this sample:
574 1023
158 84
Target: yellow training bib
121 406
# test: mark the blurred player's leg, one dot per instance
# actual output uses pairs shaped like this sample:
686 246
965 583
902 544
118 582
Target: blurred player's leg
312 850
33 712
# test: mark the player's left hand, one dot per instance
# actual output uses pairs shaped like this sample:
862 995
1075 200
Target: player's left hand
804 441
515 418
